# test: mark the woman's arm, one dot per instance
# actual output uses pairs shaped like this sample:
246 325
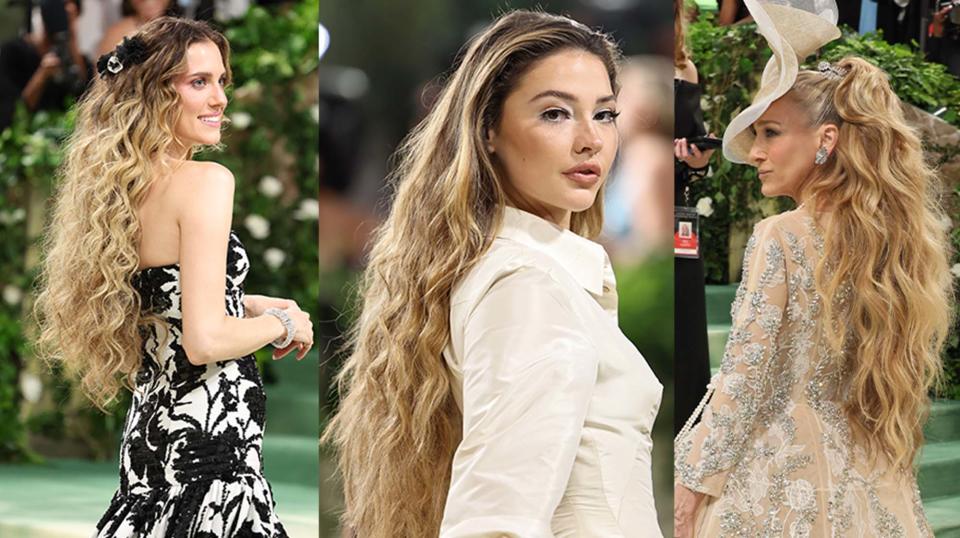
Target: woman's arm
209 334
528 378
705 455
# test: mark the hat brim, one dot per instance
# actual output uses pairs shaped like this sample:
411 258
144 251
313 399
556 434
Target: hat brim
793 34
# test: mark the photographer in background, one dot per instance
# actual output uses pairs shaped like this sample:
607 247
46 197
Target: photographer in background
43 67
945 37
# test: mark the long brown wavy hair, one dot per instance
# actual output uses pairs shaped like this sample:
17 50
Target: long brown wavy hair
886 249
87 310
398 426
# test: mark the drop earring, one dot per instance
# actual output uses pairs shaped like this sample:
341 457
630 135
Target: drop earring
821 156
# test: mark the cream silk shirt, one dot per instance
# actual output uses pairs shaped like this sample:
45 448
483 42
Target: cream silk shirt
557 404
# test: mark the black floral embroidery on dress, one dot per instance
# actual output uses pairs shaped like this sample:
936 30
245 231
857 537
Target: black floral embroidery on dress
191 458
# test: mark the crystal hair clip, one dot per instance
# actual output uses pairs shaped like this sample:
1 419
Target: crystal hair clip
831 71
130 52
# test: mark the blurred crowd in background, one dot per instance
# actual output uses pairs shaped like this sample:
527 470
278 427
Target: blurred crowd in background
49 48
931 25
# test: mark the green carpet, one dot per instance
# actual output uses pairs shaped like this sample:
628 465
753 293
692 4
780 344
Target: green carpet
65 498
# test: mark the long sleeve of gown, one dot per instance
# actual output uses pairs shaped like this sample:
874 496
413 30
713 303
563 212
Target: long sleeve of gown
707 453
528 376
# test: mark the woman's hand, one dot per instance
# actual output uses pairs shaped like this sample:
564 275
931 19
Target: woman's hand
685 503
690 153
255 305
303 335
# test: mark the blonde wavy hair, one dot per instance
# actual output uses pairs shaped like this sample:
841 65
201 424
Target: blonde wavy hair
886 244
398 425
87 310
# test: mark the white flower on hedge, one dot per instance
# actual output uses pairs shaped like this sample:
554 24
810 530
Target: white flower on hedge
955 270
270 186
31 387
309 210
705 206
241 120
12 295
258 226
315 113
274 257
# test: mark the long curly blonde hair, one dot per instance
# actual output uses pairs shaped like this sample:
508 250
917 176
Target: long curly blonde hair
87 309
398 425
885 240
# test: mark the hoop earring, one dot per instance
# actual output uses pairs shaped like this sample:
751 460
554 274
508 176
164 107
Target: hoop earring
821 156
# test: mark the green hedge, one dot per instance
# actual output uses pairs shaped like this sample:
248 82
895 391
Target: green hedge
272 149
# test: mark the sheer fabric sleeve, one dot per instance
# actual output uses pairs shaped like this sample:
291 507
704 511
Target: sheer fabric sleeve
528 377
705 454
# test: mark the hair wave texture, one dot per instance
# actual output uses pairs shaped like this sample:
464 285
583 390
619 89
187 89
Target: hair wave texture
398 425
87 310
886 250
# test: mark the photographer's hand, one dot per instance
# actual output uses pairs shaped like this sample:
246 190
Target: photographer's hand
939 18
49 64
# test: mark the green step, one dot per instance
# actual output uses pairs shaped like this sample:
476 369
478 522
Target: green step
292 459
293 401
66 498
940 470
717 335
944 516
303 374
292 412
719 299
944 422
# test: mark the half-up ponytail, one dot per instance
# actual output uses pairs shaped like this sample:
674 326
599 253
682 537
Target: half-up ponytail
886 244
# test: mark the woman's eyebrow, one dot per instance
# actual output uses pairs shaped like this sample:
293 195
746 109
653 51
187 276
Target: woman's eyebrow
569 97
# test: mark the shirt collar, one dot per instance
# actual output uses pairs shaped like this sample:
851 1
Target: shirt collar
584 259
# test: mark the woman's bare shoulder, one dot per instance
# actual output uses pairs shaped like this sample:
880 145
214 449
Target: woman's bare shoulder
688 73
195 185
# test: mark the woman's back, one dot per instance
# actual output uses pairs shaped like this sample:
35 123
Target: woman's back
774 449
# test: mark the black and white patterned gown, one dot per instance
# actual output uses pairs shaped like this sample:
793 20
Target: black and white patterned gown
190 459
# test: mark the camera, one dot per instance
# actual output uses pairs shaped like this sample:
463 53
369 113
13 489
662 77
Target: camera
954 13
56 25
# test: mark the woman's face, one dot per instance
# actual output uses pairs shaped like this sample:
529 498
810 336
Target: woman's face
147 10
202 97
784 149
556 138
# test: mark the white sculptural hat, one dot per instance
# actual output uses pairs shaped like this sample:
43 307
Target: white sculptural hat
794 29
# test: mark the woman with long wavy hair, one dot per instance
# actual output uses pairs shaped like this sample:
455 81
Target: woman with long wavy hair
489 391
816 415
142 288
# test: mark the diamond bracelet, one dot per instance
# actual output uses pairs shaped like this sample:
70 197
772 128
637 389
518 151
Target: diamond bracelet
287 321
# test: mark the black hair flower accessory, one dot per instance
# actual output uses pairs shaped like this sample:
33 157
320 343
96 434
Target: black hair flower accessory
131 51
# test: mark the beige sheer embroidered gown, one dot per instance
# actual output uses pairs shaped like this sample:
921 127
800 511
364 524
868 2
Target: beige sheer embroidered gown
773 450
